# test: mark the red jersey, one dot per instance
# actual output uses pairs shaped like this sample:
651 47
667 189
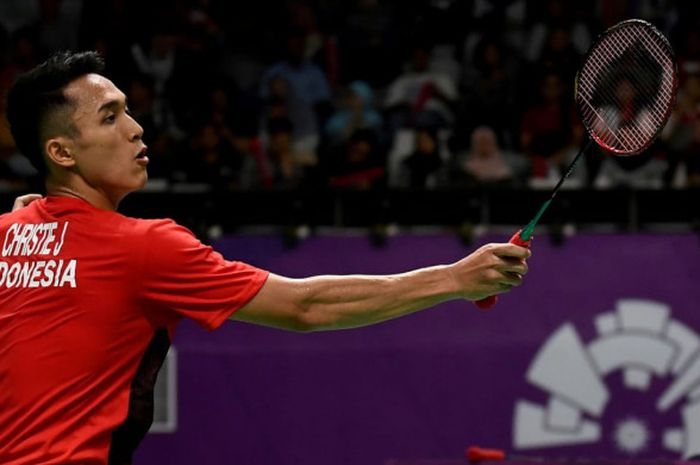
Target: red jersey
89 300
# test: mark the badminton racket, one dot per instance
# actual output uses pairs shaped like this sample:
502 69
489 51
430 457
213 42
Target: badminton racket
624 92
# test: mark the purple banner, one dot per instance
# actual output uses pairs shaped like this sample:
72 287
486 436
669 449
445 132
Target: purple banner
596 355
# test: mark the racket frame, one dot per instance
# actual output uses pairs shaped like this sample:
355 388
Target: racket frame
663 41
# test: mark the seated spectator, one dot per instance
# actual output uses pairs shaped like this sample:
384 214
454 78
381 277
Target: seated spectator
281 104
485 163
424 167
283 168
358 163
303 88
369 41
420 96
357 112
559 34
212 159
643 171
16 172
160 60
55 25
157 59
549 129
682 135
489 87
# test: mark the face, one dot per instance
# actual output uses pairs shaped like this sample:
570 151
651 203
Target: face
625 91
425 143
484 142
552 88
108 152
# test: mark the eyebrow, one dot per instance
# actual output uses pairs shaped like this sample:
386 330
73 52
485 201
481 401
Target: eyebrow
113 105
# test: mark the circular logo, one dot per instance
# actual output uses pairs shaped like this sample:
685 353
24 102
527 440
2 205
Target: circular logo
637 341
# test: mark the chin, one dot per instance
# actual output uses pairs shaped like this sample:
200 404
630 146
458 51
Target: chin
137 185
142 181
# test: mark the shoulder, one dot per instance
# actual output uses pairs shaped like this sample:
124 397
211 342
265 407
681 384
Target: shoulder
161 245
20 215
279 69
155 233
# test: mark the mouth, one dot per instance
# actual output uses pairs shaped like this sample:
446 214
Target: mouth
142 156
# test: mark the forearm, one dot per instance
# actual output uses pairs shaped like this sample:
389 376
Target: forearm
335 302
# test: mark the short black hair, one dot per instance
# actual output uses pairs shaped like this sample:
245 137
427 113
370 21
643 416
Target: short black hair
37 95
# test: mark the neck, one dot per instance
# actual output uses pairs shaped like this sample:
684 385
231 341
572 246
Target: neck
90 195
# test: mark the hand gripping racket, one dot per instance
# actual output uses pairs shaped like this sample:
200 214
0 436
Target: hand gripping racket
625 91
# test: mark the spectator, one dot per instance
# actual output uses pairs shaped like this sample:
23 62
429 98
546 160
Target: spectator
369 43
304 90
55 27
16 173
157 58
212 159
160 137
285 171
357 112
420 96
549 128
627 115
282 104
175 90
424 167
645 171
485 163
682 135
560 30
270 162
358 164
489 88
303 18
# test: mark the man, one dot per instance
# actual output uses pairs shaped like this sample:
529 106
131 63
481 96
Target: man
89 299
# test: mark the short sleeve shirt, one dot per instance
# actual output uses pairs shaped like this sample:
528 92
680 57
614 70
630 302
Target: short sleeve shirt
83 291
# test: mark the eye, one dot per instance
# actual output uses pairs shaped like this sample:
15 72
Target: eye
109 119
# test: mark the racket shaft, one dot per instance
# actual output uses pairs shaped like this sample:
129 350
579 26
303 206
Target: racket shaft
524 236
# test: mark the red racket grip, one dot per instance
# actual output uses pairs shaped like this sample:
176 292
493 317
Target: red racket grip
477 454
488 302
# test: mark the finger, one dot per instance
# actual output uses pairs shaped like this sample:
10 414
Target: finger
511 250
507 281
502 288
510 264
24 200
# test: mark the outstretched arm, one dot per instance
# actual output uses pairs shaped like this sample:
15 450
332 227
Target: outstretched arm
338 302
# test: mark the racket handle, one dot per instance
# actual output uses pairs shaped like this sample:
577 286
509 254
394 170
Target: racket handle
490 301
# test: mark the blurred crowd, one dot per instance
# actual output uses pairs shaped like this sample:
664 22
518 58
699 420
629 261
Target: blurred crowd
358 94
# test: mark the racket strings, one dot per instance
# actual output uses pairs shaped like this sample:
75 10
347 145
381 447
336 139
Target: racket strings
644 127
628 134
640 59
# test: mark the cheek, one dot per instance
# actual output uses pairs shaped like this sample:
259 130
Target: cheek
103 163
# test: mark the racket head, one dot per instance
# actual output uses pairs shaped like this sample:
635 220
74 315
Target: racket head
626 88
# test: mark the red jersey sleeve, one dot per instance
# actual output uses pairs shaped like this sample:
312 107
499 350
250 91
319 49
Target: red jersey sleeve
181 277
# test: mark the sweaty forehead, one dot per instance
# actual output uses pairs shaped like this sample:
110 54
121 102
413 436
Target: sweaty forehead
91 91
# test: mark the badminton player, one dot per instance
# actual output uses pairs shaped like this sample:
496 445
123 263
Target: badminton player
89 299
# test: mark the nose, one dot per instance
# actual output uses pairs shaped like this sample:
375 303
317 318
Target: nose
135 130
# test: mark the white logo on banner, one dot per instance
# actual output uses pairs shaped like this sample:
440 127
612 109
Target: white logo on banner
639 339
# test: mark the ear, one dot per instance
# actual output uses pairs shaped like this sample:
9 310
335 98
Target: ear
59 152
